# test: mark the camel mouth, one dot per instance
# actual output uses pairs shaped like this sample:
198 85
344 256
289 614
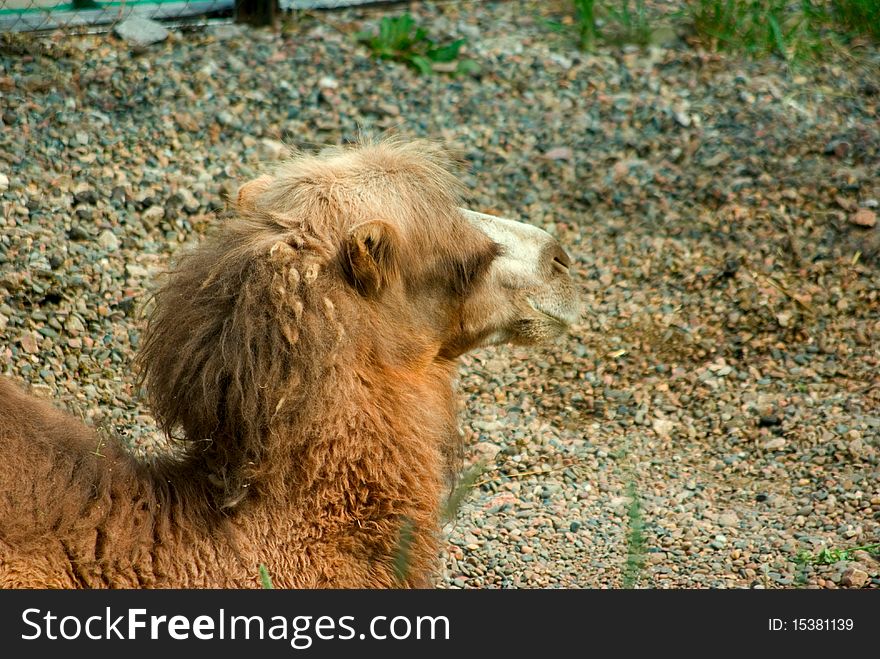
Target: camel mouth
563 319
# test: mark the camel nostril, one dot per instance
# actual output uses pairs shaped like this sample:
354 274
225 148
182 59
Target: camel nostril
561 260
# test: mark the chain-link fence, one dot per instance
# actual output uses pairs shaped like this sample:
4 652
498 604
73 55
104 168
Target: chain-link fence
36 15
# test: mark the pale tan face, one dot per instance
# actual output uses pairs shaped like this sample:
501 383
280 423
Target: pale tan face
527 295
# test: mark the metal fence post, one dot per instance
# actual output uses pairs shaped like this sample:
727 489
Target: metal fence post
256 12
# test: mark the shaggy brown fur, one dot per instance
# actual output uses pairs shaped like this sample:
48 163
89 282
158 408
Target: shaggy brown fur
304 357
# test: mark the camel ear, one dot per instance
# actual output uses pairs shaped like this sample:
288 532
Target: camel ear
248 193
369 256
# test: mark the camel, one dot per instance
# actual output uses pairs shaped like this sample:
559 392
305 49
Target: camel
302 360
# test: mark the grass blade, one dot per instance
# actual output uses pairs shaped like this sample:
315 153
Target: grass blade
265 579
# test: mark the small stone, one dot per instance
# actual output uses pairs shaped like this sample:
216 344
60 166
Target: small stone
769 420
138 31
717 159
720 542
153 215
858 449
186 121
864 218
846 203
224 32
853 578
780 579
108 241
186 199
85 195
30 343
388 109
78 233
865 557
486 450
225 118
663 427
272 149
41 390
74 325
774 444
728 519
85 213
784 318
4 183
136 271
574 526
559 153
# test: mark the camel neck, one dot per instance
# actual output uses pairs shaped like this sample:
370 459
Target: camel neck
358 423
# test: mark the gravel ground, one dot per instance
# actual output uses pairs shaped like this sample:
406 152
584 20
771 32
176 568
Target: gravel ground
722 390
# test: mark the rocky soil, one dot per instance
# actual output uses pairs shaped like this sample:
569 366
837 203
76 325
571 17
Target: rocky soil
714 416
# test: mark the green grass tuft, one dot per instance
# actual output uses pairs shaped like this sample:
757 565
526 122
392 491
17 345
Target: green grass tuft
628 22
796 30
756 27
635 539
467 480
857 16
586 24
831 555
400 39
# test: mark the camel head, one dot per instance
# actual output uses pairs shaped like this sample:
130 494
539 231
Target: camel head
527 295
450 277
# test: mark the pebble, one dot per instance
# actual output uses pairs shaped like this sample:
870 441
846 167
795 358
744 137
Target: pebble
272 149
74 325
728 519
108 241
769 420
854 578
153 215
775 444
719 542
134 270
864 218
30 343
139 31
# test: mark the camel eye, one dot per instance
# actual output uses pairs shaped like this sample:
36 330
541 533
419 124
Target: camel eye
470 270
